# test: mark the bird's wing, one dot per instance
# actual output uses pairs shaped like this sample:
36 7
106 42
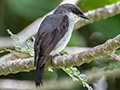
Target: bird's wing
51 31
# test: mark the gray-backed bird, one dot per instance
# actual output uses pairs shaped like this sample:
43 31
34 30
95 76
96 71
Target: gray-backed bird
53 35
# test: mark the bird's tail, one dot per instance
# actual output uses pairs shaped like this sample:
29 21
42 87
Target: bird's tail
39 74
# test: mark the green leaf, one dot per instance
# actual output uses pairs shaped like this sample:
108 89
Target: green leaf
50 69
31 52
15 39
75 75
64 52
94 68
25 48
9 50
117 52
28 48
33 38
83 77
29 43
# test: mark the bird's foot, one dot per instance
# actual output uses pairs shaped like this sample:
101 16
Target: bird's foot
61 53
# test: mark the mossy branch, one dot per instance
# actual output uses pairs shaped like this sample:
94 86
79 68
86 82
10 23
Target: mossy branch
87 56
94 53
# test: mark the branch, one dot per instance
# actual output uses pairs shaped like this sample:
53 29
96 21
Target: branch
5 42
100 13
15 55
63 61
94 53
95 15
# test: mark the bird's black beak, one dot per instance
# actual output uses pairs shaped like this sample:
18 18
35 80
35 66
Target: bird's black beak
84 16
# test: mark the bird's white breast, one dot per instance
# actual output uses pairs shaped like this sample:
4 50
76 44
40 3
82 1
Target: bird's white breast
64 41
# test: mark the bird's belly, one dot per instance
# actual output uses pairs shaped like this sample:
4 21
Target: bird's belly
64 41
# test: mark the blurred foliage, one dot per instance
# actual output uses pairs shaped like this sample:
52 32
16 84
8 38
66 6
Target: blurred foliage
86 5
109 66
109 28
113 65
77 39
31 9
17 14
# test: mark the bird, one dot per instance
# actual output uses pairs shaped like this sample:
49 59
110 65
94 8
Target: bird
53 35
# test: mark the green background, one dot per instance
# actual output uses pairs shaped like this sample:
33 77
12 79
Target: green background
18 14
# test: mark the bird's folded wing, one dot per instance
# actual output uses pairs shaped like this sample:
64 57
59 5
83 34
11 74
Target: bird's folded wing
51 31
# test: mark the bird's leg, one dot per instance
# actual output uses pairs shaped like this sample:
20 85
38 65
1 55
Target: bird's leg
59 54
53 56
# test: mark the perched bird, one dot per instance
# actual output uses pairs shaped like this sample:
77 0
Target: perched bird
53 35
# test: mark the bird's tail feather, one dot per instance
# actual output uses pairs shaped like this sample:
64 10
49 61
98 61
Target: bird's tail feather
39 74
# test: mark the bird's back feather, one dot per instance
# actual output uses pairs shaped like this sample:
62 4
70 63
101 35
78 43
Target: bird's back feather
51 31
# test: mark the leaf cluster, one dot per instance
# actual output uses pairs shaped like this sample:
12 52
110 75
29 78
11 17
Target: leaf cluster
74 73
27 48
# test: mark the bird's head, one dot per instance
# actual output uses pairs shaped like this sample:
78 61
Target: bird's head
73 12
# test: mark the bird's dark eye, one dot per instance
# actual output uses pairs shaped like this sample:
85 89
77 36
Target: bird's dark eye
74 10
